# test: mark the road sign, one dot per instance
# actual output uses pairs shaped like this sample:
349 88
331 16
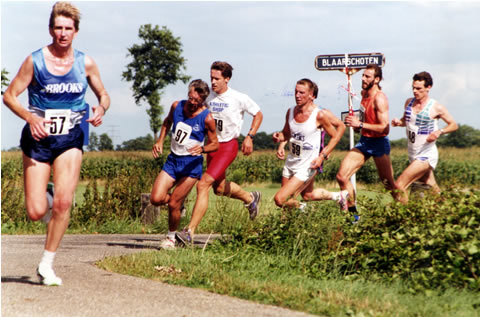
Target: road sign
337 61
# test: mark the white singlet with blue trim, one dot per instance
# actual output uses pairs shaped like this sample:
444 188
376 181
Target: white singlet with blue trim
419 126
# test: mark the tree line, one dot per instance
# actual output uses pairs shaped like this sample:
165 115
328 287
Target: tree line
466 136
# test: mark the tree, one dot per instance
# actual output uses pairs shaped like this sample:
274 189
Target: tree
143 143
157 62
105 143
93 142
5 81
465 136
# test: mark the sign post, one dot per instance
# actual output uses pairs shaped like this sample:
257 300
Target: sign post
349 64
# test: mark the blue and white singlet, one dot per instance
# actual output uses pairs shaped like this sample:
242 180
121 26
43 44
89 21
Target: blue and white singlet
187 132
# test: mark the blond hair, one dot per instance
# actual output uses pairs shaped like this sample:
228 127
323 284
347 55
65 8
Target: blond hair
67 10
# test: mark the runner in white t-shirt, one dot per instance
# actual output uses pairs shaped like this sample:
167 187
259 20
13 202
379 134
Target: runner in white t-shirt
228 107
420 117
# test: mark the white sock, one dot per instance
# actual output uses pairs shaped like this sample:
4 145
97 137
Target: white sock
171 235
47 259
335 196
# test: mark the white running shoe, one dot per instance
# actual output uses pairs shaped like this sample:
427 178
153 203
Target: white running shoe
47 276
343 201
302 207
167 244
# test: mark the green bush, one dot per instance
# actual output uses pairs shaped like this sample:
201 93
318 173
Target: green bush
431 243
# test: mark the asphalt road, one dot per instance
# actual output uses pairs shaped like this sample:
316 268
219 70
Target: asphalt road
89 291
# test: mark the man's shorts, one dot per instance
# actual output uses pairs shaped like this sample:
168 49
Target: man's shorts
301 173
220 160
178 166
48 149
375 147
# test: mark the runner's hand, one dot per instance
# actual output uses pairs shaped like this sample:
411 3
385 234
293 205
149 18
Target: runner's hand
317 162
196 150
98 113
396 122
38 127
157 150
247 146
352 121
281 153
277 137
434 136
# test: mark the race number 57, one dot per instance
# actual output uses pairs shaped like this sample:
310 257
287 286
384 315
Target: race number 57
60 121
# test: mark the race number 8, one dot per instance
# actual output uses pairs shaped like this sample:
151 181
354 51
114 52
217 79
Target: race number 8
219 124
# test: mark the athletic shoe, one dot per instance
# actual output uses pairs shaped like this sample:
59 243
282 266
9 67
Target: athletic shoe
50 193
254 206
343 201
356 219
183 211
167 244
47 276
184 237
302 207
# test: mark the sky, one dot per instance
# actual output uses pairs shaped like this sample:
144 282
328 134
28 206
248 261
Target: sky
270 45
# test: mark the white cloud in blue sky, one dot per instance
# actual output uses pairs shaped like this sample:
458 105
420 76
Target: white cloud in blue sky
270 45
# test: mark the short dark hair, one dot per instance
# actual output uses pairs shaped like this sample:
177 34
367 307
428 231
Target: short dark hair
377 72
224 67
311 85
200 87
425 76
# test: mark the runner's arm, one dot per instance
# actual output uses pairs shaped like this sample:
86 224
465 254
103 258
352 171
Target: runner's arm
95 82
157 148
10 98
284 135
442 113
334 128
281 150
247 145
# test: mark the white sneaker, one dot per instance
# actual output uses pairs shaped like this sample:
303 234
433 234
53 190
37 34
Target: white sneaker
343 201
47 276
302 207
167 244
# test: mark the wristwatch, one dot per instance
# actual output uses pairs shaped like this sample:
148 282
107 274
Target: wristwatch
251 136
361 125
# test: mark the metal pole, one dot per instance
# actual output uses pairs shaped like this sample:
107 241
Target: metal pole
353 179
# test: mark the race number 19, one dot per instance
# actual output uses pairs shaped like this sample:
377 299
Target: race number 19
60 121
